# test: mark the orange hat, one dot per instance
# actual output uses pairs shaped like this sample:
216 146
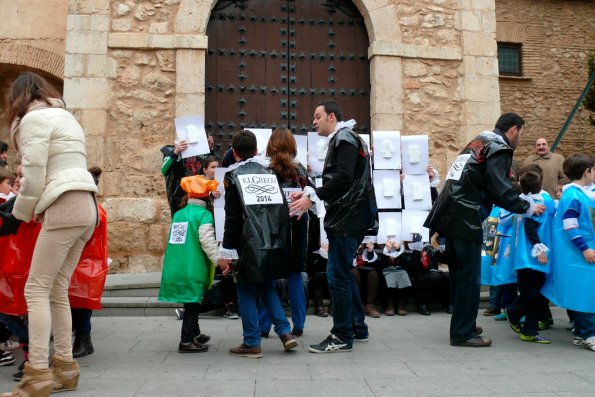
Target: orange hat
198 186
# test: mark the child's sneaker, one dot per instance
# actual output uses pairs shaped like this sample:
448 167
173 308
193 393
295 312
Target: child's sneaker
230 312
7 358
180 313
9 344
500 317
514 326
535 339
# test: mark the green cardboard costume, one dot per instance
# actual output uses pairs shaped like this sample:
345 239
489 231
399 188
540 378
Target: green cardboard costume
187 271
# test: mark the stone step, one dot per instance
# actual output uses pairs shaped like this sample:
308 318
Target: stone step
135 294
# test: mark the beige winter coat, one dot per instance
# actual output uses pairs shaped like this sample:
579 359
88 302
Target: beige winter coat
54 159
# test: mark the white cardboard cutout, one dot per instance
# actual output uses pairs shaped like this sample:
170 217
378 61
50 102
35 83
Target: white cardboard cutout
416 190
387 150
262 139
389 227
384 180
415 153
413 223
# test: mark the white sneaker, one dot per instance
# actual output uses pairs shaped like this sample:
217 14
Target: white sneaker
578 341
9 344
590 343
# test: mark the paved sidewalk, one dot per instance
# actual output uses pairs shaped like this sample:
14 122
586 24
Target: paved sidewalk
406 356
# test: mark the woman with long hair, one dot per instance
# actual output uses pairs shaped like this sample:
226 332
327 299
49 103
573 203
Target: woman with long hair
282 151
57 191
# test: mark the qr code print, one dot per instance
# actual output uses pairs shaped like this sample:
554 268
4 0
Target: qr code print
178 233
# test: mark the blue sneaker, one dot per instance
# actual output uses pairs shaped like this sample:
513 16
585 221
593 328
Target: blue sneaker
501 317
535 339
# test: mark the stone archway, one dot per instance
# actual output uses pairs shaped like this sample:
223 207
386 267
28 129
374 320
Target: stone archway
380 18
33 57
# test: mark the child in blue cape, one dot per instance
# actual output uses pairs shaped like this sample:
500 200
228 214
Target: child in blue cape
531 239
570 283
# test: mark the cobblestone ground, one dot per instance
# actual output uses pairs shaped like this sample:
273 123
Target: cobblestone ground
406 356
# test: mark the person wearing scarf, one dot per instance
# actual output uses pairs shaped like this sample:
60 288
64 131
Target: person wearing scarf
58 192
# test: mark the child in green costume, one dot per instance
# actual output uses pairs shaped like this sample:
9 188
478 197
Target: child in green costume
190 259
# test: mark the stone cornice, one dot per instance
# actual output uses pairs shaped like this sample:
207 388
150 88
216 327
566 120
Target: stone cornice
157 41
384 48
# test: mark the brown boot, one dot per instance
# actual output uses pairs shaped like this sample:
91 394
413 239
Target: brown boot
66 374
246 351
372 312
35 383
390 310
288 341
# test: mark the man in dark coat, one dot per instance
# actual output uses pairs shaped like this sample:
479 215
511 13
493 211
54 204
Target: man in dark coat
478 179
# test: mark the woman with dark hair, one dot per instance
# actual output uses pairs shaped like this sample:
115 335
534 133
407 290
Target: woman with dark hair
57 191
292 176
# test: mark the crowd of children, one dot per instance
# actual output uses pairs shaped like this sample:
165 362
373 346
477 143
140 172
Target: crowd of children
546 258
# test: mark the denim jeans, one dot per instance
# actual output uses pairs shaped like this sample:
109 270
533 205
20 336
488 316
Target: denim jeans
81 321
348 312
17 326
584 324
247 294
297 302
501 296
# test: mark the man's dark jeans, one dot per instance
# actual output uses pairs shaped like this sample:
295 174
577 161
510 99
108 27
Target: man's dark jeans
348 312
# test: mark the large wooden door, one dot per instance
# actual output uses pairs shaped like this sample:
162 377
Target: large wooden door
270 62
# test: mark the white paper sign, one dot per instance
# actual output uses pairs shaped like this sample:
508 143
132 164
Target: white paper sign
219 223
387 150
262 139
323 236
320 208
260 189
389 227
366 138
178 233
415 153
416 190
413 223
387 186
317 148
219 177
302 149
456 169
192 130
287 192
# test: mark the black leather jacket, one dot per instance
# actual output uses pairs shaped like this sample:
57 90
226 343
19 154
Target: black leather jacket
353 212
479 178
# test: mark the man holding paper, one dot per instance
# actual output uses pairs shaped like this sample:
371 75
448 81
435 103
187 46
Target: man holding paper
350 212
479 178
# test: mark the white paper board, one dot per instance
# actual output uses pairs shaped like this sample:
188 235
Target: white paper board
219 176
413 223
192 130
387 150
262 139
260 189
302 149
317 147
219 223
415 154
387 186
389 227
320 208
416 189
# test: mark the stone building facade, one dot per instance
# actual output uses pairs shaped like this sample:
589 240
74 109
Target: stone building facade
131 66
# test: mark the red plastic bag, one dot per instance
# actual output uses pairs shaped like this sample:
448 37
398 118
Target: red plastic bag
86 284
88 279
16 252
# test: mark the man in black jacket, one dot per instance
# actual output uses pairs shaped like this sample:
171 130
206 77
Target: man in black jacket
350 211
478 179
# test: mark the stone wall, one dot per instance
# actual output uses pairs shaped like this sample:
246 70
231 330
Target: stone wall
556 38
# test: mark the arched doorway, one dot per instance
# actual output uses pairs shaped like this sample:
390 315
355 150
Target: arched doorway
269 63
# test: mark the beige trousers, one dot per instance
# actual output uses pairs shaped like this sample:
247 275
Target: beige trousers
67 225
